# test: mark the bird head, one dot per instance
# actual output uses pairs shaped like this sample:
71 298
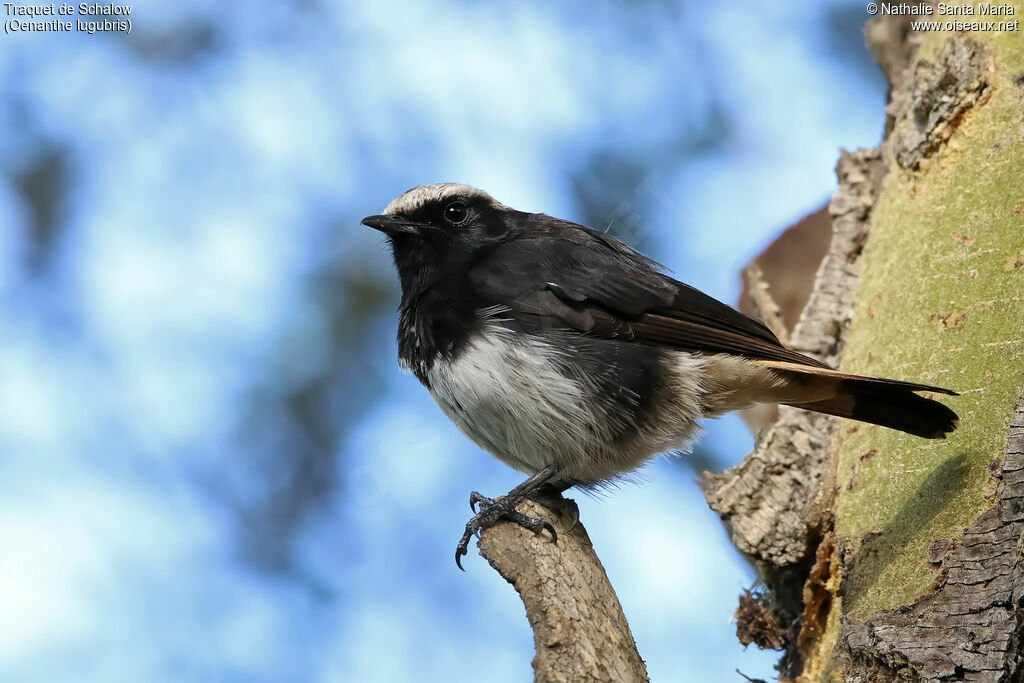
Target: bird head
434 229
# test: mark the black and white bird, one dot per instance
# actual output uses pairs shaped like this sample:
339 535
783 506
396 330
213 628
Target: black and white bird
572 358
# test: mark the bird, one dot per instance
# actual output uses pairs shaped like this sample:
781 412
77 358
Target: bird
574 359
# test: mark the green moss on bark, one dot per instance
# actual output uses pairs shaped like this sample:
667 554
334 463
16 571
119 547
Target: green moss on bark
941 300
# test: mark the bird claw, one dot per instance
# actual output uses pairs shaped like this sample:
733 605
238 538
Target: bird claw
492 511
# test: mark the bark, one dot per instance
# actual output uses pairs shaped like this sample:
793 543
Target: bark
777 503
579 630
887 557
968 628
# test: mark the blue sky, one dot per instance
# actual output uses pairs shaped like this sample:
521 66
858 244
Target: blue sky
212 467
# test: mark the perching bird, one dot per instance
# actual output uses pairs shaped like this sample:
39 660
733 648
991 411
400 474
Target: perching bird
570 357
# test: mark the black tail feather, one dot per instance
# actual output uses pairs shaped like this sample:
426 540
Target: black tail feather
889 404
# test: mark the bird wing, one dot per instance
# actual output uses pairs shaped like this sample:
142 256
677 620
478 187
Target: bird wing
570 277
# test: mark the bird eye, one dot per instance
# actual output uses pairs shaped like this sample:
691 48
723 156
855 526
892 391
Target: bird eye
455 212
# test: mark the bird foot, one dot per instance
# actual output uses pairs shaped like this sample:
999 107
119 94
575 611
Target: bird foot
494 510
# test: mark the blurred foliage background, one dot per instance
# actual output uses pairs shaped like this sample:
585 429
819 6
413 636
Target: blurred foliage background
212 467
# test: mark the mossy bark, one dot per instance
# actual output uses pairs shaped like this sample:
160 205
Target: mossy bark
926 583
884 556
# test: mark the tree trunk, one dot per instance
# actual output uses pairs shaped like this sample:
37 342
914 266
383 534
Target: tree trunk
885 556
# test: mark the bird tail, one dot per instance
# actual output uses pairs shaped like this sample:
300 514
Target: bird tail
886 402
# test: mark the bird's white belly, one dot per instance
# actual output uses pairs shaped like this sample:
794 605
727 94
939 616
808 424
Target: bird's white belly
506 393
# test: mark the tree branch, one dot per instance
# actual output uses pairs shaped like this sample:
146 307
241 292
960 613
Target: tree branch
768 310
579 630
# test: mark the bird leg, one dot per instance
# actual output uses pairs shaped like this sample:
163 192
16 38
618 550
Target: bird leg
539 488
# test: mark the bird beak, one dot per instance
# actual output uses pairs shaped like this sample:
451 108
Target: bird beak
389 225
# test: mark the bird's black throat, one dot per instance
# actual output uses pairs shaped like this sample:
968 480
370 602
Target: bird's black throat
438 310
